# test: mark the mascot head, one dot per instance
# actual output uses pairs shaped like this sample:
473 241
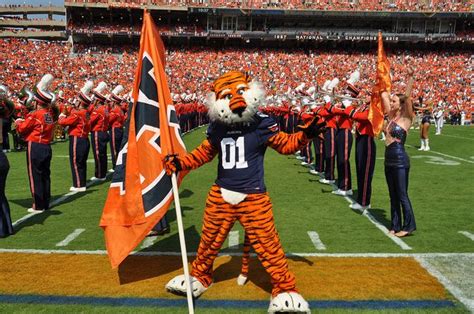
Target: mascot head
235 98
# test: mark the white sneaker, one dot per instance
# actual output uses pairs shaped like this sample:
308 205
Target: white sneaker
325 181
111 170
342 192
304 163
72 189
427 148
34 211
98 179
241 280
357 206
300 157
288 302
312 171
178 285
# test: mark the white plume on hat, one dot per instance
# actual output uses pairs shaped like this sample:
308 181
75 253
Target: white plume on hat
311 90
86 89
300 87
326 85
45 82
100 88
117 90
354 78
333 84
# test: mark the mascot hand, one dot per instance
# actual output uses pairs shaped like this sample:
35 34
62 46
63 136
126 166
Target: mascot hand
314 127
172 164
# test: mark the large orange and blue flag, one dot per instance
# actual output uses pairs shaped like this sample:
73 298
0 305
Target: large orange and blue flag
141 191
382 83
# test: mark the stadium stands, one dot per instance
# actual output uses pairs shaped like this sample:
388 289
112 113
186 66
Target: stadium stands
337 5
445 75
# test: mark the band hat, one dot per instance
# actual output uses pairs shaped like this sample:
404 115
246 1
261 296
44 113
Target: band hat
41 93
351 87
84 94
116 92
99 91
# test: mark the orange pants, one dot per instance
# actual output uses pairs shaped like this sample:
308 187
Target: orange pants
256 216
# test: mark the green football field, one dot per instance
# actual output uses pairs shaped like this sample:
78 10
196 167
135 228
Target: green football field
311 220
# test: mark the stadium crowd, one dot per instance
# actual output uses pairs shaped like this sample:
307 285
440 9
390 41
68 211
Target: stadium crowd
345 5
446 74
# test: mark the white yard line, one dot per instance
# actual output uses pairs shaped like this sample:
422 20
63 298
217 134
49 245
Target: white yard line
467 234
149 241
53 203
446 155
238 254
233 239
318 244
71 237
461 137
374 221
455 291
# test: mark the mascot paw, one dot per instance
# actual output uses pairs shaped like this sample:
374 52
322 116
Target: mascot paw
241 280
288 302
177 285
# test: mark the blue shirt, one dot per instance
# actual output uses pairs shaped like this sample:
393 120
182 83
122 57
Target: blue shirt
241 149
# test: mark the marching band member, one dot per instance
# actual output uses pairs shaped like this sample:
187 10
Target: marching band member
397 164
344 139
37 129
77 120
439 118
318 143
99 122
330 133
365 155
116 122
6 227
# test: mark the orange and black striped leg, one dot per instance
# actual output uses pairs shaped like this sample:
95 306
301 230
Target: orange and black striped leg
219 218
256 217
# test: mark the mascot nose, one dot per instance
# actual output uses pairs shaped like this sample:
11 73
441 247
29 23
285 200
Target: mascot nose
237 105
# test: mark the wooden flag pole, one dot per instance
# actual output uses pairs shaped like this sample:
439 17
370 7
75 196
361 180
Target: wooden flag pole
182 244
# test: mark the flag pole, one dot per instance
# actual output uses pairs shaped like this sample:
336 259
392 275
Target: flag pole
182 244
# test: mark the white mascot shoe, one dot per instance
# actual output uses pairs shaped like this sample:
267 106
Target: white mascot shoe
241 280
288 302
177 285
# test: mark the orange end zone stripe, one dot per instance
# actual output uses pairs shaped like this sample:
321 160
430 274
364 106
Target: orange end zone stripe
320 278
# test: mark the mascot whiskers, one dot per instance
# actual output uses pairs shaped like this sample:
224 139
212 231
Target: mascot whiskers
239 135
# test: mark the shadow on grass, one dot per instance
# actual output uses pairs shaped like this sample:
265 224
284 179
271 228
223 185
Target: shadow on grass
257 273
382 216
137 268
37 219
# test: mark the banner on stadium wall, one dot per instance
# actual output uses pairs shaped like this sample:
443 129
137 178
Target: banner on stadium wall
141 191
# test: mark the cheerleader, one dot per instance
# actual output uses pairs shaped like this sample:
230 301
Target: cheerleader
425 130
397 164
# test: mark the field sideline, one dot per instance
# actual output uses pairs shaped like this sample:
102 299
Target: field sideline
340 257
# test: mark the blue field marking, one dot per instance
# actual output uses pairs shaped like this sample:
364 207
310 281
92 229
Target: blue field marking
151 302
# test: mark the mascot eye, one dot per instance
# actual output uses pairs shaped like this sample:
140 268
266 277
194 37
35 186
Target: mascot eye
228 96
240 91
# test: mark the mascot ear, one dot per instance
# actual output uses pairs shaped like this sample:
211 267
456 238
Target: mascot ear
247 77
210 99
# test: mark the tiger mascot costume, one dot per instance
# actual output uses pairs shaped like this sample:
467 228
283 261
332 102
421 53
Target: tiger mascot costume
239 134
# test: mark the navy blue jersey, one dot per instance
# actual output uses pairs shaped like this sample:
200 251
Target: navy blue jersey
241 151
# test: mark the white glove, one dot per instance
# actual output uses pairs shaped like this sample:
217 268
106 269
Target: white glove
62 115
327 99
346 103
